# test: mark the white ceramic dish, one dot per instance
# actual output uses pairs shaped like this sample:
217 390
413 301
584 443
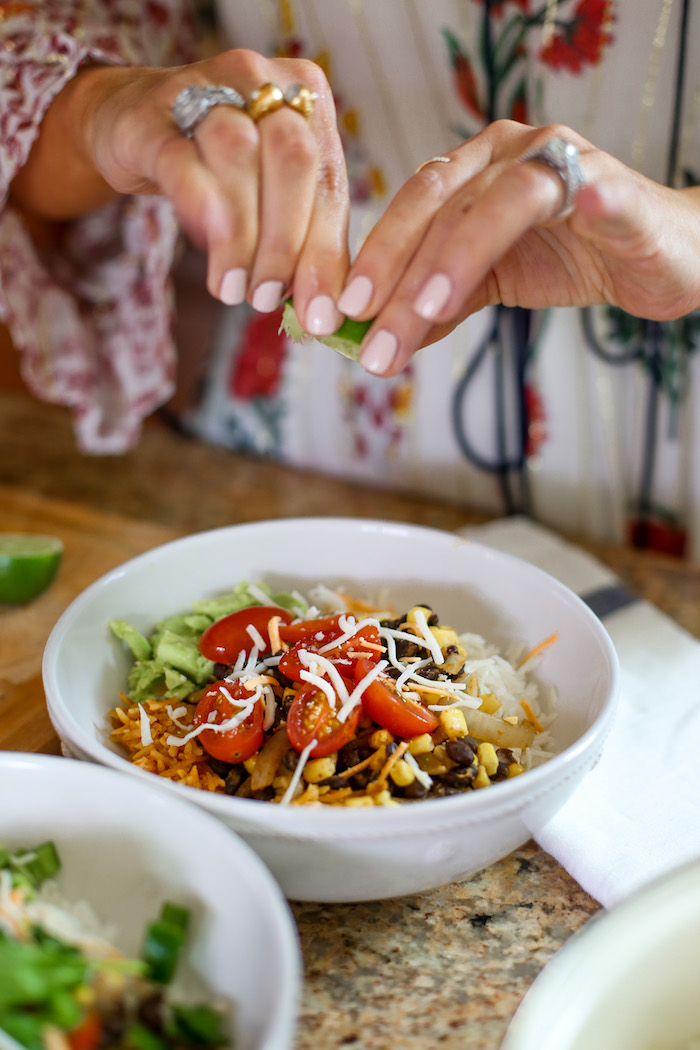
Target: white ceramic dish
331 855
628 980
126 849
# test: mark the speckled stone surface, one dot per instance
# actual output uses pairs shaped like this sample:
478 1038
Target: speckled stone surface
445 969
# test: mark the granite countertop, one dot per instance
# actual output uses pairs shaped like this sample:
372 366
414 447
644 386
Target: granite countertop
446 968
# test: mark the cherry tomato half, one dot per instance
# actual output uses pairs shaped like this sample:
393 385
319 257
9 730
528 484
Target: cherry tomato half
402 717
225 638
343 655
321 629
232 745
311 715
88 1034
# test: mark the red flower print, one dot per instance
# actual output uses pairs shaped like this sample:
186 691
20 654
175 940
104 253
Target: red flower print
464 77
581 41
257 366
536 420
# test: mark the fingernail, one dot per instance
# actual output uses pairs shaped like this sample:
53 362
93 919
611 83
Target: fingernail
267 296
433 296
379 352
233 287
355 298
322 318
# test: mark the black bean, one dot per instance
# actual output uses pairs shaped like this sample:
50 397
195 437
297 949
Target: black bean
473 743
222 671
234 779
333 782
150 1012
221 769
460 776
414 790
460 751
505 755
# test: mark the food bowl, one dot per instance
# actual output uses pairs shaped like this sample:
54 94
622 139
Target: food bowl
125 850
627 980
324 853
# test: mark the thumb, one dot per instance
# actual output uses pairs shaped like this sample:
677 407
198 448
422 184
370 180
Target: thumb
618 216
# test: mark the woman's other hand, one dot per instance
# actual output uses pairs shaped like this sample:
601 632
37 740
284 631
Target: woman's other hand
483 229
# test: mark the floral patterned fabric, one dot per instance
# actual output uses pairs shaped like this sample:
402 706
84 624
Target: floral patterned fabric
583 419
91 312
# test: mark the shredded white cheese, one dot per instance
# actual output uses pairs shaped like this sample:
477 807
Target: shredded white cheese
296 776
146 734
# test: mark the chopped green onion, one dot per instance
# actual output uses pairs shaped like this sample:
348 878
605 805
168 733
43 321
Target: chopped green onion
163 942
197 1025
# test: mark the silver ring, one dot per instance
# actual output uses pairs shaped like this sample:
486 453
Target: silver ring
194 102
563 157
432 160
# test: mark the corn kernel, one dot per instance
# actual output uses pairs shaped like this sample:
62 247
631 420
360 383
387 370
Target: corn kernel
490 704
481 780
454 723
379 737
512 720
411 614
363 800
445 636
421 745
378 759
319 768
282 782
383 798
486 753
401 773
515 769
249 763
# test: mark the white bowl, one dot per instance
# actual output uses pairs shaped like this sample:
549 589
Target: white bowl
326 854
627 980
126 849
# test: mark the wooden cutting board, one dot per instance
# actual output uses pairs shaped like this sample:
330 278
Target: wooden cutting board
94 542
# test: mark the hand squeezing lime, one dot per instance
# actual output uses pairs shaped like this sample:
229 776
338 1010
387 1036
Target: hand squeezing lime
28 564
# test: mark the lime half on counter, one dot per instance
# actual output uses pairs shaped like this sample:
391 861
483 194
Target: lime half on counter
28 564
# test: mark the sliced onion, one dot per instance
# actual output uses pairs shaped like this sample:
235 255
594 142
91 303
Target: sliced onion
268 760
496 731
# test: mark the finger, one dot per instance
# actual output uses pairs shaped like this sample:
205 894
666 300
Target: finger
454 262
180 175
390 246
324 258
229 143
288 167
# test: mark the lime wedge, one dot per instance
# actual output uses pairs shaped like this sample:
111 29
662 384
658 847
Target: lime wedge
345 341
28 564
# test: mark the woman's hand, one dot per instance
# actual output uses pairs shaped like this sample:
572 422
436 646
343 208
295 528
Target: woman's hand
482 229
267 201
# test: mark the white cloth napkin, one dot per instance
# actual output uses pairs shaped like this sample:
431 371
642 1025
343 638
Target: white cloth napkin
637 814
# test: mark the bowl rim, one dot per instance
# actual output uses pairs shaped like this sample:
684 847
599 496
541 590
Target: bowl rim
432 814
283 1018
602 931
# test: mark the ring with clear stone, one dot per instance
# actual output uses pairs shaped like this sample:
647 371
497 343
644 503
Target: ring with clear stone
563 157
194 102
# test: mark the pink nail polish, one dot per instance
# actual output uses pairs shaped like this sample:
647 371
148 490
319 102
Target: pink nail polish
267 296
233 287
379 353
322 318
356 297
433 296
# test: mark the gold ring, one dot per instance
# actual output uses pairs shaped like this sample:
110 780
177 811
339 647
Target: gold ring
432 160
302 100
266 99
